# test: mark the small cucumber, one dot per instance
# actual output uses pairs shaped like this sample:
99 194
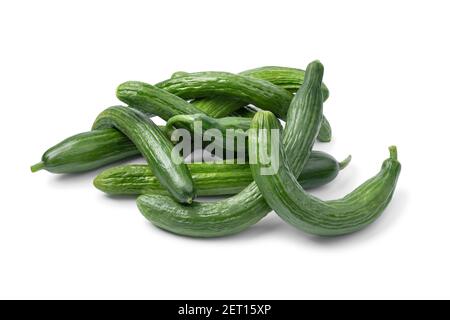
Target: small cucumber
153 100
211 179
289 79
260 93
153 144
324 218
87 151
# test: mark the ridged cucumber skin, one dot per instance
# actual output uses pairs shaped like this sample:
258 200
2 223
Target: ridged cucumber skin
153 144
261 93
244 112
151 99
237 213
287 78
323 218
210 179
227 99
325 132
222 124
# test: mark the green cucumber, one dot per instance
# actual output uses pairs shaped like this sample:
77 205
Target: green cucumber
211 179
153 144
232 215
151 99
87 151
231 92
260 93
288 199
289 79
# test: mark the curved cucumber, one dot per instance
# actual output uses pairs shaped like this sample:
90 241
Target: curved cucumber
287 78
324 218
228 216
261 93
153 145
211 179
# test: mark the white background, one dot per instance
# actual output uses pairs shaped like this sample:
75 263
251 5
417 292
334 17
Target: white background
387 67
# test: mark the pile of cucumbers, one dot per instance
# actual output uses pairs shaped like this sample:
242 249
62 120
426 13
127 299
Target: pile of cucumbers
254 99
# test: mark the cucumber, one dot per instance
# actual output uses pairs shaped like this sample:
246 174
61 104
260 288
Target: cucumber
288 199
87 151
260 93
211 179
153 144
289 79
234 214
231 92
153 100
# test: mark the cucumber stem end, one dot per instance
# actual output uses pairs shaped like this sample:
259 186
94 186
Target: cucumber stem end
393 152
38 166
344 163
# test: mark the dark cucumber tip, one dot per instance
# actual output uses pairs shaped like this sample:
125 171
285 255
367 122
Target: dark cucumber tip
38 166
